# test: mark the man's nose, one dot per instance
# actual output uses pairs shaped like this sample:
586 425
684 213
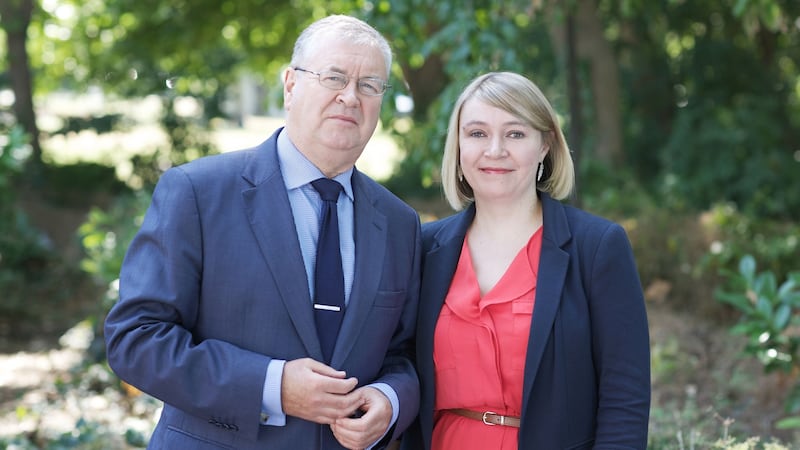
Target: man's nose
349 94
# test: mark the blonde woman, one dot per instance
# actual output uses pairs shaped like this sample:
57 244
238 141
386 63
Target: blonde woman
532 329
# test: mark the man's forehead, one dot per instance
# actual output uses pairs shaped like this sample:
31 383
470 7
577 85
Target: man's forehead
343 56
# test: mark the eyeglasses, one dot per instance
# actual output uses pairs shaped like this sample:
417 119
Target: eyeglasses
336 81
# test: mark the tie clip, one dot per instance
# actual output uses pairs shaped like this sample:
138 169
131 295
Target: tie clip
327 307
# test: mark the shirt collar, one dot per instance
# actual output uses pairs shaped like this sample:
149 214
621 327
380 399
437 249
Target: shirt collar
297 170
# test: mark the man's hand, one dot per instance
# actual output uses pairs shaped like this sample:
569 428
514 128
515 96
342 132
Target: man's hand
361 432
316 392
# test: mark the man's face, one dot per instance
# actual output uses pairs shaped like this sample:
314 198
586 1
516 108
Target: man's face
332 127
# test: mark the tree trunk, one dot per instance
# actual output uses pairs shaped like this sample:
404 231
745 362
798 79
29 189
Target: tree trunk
595 48
425 84
592 46
575 103
16 16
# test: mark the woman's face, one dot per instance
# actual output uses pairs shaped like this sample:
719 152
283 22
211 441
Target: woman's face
499 153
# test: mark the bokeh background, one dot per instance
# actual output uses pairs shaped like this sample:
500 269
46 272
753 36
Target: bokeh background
683 117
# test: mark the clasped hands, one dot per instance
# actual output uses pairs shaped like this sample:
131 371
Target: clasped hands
319 393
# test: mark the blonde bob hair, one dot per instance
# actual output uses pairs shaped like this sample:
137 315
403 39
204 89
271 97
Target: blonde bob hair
520 97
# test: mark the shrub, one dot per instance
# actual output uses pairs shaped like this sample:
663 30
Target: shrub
770 319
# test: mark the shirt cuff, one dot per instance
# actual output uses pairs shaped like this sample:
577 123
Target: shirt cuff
271 410
392 396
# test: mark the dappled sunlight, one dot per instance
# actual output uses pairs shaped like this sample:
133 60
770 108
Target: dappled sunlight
141 133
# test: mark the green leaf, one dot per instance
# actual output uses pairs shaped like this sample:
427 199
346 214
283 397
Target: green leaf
739 8
747 267
782 316
737 300
766 286
788 423
764 307
786 288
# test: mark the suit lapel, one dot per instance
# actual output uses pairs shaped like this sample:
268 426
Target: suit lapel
370 229
553 263
269 212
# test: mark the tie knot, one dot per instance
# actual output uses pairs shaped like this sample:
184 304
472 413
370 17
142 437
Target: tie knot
327 188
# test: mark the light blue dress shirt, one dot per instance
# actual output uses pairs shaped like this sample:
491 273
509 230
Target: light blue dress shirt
298 172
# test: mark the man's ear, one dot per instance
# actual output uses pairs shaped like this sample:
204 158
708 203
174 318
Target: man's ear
289 81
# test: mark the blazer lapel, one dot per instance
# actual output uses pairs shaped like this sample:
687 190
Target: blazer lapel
370 230
269 212
553 263
439 266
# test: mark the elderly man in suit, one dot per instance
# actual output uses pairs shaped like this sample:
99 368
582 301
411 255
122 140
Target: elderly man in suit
224 314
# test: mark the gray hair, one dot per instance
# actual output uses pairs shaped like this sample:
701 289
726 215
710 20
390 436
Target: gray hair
354 30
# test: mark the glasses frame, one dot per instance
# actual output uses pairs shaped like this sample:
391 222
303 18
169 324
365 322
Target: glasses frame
385 86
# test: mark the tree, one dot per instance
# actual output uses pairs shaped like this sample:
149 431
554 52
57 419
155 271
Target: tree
439 49
591 46
15 17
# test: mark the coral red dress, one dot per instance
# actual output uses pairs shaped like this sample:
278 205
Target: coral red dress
479 352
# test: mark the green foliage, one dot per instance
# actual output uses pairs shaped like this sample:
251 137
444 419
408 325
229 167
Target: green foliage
74 184
775 243
105 237
770 316
688 426
712 106
188 138
733 152
86 435
23 251
769 313
439 49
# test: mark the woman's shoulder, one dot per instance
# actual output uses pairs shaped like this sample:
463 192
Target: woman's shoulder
447 228
591 230
455 220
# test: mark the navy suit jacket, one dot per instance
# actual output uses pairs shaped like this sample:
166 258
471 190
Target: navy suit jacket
213 286
587 371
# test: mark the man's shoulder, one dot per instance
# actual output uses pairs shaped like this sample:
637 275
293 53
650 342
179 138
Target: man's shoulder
220 161
382 197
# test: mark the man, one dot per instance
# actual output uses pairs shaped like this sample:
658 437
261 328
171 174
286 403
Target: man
219 309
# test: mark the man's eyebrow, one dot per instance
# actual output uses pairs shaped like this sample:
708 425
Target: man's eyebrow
344 72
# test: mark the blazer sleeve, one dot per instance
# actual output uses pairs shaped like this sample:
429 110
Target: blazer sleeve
149 343
621 345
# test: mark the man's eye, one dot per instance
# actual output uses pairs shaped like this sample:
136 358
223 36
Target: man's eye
335 78
369 86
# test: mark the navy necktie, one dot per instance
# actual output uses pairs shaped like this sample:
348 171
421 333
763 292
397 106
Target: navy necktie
328 274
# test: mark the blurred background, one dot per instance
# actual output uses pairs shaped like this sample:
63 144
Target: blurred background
683 117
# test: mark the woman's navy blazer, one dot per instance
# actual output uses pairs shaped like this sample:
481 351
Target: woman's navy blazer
587 369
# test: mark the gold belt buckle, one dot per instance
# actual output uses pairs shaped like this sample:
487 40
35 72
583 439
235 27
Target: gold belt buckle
494 414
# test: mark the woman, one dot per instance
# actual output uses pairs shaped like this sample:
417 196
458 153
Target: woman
532 331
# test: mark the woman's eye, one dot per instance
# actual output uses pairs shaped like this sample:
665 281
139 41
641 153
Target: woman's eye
477 133
516 134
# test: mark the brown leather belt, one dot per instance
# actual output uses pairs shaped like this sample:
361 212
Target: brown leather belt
488 417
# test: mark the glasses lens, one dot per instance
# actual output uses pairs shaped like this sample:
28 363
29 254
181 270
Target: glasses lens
371 86
367 86
333 80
